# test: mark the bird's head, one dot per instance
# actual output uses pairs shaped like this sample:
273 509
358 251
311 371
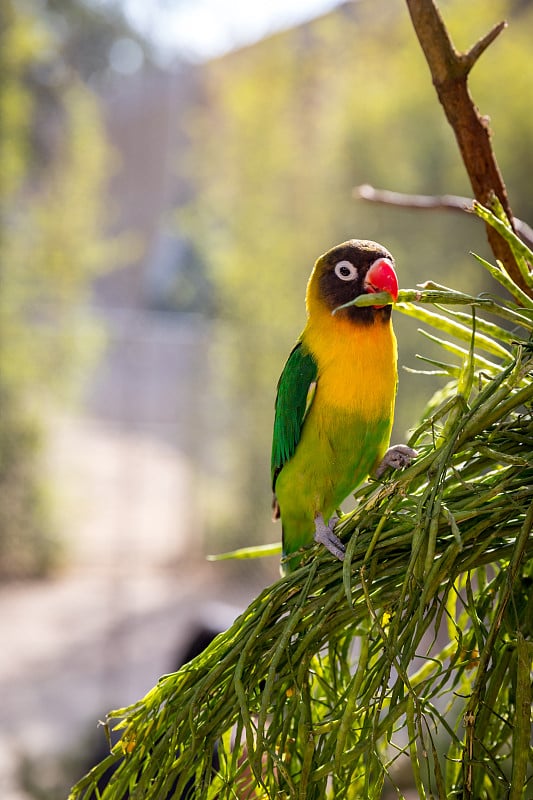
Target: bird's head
348 270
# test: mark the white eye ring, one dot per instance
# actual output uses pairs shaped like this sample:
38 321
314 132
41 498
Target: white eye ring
345 270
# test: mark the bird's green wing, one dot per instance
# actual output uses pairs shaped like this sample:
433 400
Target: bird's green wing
294 396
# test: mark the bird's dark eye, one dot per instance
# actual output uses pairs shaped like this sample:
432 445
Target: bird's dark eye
345 270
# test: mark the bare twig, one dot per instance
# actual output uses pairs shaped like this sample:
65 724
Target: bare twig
449 71
425 202
477 50
386 197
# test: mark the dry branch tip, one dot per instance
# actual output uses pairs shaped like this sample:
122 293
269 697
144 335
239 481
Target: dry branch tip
476 51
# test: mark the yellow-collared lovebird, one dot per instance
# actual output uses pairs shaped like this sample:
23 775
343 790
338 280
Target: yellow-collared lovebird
335 397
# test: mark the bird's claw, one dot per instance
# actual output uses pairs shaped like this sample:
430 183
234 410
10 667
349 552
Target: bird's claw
397 457
324 535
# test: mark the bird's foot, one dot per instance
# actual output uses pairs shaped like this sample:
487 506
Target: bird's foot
324 535
397 457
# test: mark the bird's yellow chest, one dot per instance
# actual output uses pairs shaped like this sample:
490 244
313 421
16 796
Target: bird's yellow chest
357 365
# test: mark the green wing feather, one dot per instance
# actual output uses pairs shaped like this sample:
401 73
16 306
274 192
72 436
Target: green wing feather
294 396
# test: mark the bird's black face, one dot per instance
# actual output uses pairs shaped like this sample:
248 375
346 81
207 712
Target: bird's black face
354 268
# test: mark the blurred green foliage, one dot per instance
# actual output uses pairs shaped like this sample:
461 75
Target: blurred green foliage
288 127
54 162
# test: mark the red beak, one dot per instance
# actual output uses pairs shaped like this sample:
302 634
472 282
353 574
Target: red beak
382 278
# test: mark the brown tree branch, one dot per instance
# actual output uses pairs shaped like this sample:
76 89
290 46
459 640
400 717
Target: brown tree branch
426 202
449 71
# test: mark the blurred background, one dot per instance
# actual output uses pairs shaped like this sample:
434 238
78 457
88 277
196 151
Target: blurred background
169 173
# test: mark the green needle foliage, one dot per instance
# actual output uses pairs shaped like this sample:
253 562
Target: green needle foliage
416 650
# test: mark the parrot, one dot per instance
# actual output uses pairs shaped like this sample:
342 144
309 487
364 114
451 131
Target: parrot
335 398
